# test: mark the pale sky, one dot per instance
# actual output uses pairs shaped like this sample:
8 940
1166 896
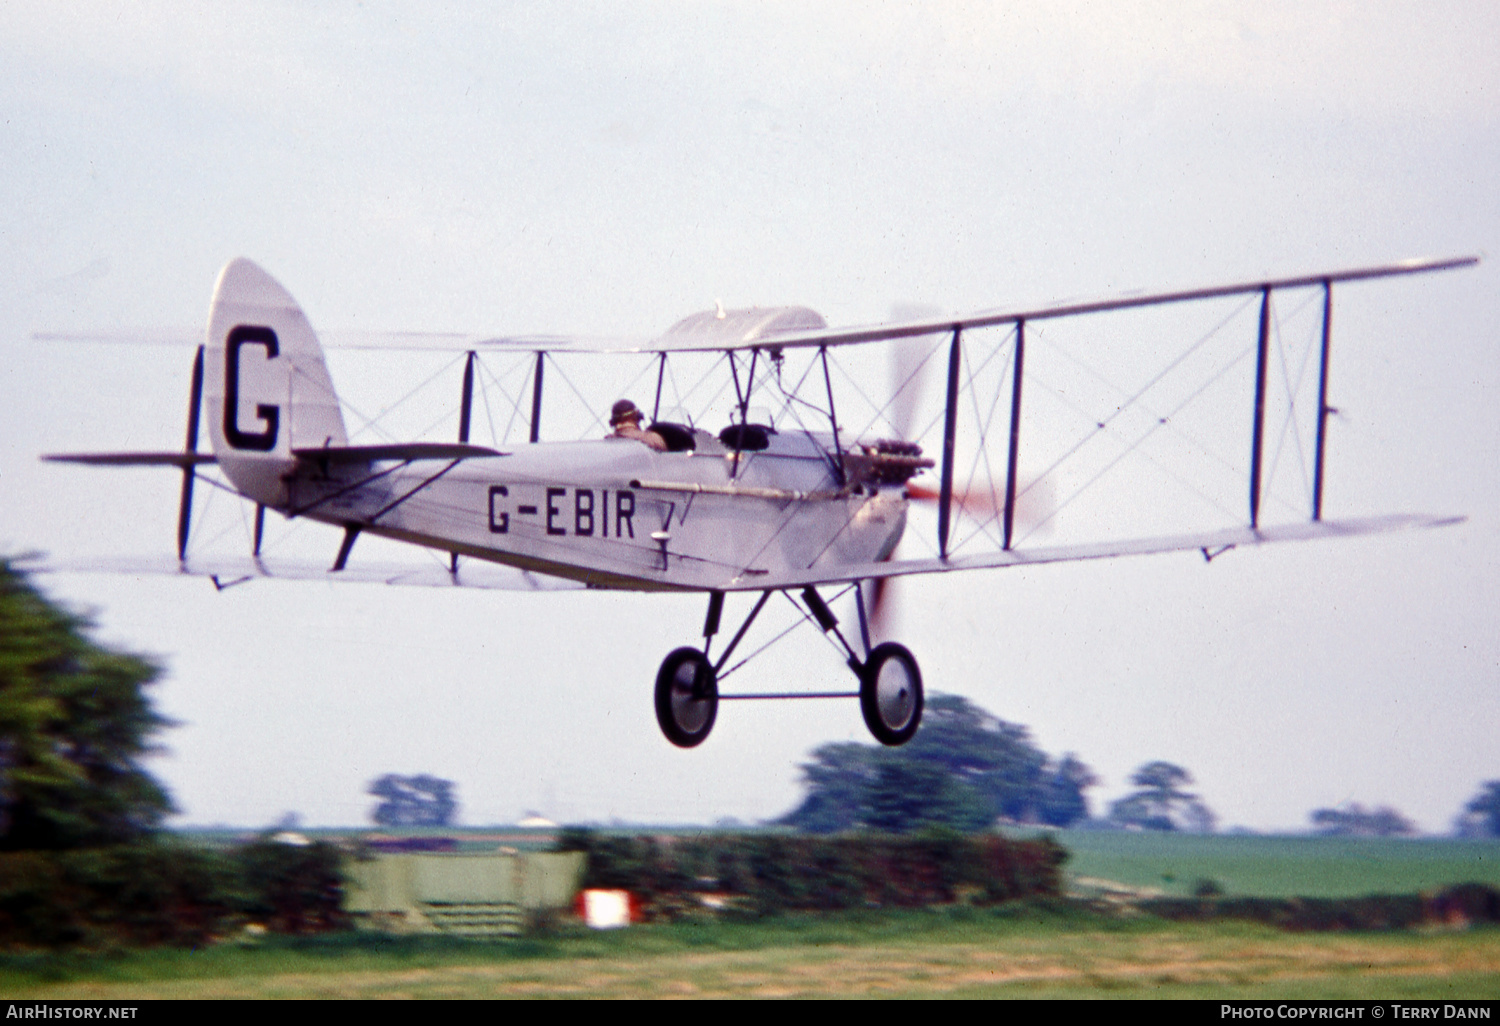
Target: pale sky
605 168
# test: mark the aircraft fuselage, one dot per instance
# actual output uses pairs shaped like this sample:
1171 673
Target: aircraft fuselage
617 514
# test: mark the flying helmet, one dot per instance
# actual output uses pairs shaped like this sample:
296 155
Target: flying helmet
622 411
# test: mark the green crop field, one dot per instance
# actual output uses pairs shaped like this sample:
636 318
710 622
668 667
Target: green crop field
1275 866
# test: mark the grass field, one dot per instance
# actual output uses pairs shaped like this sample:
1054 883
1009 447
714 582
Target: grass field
1058 950
1321 867
1055 952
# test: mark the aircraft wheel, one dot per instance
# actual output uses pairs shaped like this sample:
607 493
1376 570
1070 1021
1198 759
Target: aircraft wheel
890 694
687 697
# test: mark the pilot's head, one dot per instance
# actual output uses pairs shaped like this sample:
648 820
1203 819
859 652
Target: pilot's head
624 412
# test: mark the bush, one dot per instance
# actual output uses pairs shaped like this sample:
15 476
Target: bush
766 873
1457 905
292 889
164 893
126 894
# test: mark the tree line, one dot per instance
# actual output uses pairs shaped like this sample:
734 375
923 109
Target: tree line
967 770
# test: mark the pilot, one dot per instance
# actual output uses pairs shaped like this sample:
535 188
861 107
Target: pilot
626 420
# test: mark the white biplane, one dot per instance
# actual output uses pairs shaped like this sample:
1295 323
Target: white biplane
789 507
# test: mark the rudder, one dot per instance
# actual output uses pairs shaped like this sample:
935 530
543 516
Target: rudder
267 386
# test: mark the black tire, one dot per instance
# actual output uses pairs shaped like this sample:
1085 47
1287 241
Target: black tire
890 694
687 697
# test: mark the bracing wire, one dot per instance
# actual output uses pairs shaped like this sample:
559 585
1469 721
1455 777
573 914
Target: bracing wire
1159 423
1289 425
374 423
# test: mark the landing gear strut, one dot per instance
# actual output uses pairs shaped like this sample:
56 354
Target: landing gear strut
890 682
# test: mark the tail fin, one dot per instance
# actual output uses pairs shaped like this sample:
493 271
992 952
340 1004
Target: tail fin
267 387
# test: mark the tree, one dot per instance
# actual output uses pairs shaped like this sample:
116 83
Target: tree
836 780
963 770
413 801
1063 802
1353 820
909 794
1482 814
74 724
992 756
1160 803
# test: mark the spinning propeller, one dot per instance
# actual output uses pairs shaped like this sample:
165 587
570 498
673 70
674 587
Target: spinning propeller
1035 501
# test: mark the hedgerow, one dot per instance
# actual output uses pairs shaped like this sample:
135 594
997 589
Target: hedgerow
155 893
759 874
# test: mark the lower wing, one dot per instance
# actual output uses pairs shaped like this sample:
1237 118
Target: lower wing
227 571
1210 543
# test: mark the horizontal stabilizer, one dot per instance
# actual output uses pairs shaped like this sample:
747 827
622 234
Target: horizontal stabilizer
182 460
398 451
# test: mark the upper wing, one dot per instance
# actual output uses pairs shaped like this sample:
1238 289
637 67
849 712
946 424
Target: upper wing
747 331
1070 308
382 341
378 341
327 454
1210 542
762 334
